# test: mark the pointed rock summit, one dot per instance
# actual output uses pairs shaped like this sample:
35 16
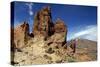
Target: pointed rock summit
21 33
46 43
43 24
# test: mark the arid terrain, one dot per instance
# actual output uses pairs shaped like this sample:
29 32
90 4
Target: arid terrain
86 50
47 43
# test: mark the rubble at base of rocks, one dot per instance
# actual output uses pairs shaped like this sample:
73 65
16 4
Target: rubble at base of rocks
46 44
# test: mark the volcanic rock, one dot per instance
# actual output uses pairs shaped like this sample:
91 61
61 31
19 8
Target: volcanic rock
46 43
21 33
43 24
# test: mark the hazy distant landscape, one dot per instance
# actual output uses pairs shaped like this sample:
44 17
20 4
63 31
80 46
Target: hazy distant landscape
86 50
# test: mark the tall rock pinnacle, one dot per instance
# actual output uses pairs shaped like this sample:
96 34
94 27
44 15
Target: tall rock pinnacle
42 22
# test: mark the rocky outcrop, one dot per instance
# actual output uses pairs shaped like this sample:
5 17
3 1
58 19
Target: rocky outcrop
21 33
60 26
43 22
60 31
46 43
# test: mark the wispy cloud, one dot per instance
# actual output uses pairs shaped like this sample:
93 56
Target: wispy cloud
88 32
30 8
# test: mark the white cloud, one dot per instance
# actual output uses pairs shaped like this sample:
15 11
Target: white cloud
30 8
88 32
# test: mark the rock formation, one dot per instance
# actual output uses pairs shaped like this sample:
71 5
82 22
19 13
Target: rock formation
60 30
43 22
60 26
20 35
46 43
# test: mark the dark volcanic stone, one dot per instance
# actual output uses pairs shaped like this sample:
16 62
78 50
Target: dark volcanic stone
50 51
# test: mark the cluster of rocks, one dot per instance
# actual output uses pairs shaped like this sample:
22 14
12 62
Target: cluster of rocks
46 44
43 24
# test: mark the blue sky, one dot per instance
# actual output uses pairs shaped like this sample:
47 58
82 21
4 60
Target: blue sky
80 20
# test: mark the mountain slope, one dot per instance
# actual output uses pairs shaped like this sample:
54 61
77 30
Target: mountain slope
86 50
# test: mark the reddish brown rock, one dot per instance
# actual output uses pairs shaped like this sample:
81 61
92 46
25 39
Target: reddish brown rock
45 44
60 31
60 26
43 22
21 33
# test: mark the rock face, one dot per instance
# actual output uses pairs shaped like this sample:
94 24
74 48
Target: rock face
60 30
60 26
46 43
43 22
21 34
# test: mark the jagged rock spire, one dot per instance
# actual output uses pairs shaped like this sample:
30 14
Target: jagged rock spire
42 22
20 34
